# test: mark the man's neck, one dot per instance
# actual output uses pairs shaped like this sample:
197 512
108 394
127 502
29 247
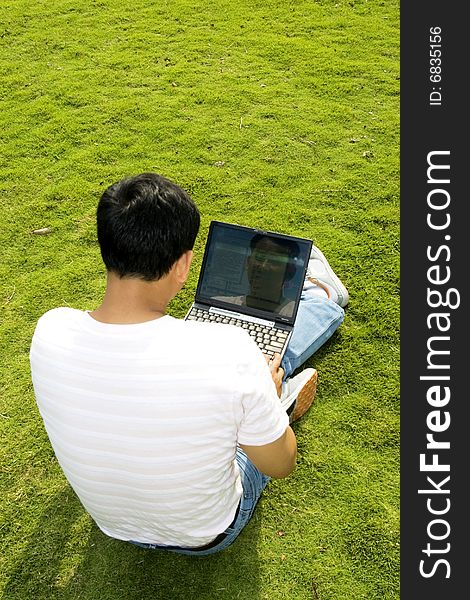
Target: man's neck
130 300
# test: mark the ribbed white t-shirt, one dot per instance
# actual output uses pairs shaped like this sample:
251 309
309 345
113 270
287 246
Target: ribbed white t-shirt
145 419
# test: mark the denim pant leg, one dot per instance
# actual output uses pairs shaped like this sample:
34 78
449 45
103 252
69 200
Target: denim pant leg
253 483
317 320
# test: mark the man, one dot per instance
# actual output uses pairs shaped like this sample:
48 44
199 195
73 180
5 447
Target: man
268 270
167 430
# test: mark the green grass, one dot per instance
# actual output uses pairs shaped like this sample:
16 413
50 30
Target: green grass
283 115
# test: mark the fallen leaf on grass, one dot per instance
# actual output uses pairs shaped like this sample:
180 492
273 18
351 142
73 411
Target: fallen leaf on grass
42 231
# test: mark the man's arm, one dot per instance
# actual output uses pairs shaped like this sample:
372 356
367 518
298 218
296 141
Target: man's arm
276 459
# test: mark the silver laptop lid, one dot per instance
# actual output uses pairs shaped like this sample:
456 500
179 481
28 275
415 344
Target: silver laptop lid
253 272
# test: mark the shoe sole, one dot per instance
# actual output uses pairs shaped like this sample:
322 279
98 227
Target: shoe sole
305 398
341 291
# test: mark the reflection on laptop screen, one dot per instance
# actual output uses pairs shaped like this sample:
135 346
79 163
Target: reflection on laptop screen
257 270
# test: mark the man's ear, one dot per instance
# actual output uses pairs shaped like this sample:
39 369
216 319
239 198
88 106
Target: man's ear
182 266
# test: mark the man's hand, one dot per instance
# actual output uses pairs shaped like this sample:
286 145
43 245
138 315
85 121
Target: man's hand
277 372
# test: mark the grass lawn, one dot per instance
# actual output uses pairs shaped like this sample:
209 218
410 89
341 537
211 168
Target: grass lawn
282 115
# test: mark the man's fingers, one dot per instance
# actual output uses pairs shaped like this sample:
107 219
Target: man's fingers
275 362
277 372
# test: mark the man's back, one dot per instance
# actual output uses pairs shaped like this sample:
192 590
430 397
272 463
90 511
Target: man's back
145 419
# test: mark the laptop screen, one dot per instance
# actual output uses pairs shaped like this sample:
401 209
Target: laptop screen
254 272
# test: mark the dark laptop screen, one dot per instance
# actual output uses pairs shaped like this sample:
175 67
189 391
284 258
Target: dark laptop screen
253 271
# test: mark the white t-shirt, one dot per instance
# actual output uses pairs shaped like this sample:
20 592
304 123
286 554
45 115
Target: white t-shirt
145 419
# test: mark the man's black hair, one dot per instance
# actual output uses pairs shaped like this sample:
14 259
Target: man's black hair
145 224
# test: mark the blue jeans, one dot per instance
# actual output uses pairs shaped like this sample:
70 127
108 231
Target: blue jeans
317 320
253 482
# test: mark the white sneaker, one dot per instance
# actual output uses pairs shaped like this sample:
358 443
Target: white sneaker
319 269
298 393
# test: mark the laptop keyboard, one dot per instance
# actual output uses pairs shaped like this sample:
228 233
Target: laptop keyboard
269 339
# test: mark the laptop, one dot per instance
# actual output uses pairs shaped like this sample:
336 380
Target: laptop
253 279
